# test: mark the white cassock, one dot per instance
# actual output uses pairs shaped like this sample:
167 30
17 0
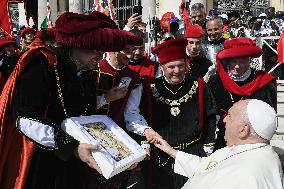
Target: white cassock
248 166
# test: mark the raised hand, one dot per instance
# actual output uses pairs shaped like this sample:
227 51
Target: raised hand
150 133
133 20
164 146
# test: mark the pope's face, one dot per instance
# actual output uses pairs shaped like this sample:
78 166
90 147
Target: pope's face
238 66
174 71
233 123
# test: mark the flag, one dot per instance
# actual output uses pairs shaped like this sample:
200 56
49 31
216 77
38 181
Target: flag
106 7
5 21
185 14
47 22
280 49
44 23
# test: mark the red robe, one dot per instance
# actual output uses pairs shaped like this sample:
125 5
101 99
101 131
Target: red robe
15 149
116 108
146 69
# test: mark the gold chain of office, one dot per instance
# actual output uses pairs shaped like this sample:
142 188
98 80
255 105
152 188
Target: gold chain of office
174 104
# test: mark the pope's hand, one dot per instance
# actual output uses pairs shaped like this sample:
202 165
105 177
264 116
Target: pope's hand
84 153
164 146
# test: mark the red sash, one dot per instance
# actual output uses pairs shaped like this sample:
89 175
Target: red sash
248 89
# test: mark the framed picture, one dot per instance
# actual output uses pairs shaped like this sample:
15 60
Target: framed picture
119 151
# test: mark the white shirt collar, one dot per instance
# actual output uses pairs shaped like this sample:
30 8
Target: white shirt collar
242 77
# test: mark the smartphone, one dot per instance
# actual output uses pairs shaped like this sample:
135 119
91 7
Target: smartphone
137 9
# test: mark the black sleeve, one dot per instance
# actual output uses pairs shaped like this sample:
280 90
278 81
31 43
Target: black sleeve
268 94
31 100
210 112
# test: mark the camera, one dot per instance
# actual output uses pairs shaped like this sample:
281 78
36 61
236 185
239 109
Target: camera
187 4
137 9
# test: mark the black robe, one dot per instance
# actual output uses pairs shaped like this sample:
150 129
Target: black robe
182 129
37 97
8 65
225 100
197 66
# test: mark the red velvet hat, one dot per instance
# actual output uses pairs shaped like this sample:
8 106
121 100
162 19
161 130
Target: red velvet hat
7 40
95 31
26 30
46 34
171 50
239 47
194 31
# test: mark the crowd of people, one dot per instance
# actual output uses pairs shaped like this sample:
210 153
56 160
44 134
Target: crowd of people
196 102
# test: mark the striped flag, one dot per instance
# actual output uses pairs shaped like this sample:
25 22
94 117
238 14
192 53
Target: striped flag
106 7
185 14
280 49
47 22
5 21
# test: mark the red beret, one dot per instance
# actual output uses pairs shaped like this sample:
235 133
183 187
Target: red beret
194 31
26 30
94 31
7 40
171 50
46 34
239 47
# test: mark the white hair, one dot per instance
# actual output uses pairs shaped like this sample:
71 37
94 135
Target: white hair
212 18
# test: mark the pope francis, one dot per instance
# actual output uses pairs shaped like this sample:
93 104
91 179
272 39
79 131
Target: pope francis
248 161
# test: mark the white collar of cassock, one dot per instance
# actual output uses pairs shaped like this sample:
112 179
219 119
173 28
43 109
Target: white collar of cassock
228 152
245 147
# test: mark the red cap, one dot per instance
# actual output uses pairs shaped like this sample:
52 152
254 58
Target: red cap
239 47
171 50
7 40
46 34
26 30
194 31
94 31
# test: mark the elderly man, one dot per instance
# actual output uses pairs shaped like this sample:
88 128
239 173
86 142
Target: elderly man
235 79
215 40
183 111
196 63
48 86
198 15
248 161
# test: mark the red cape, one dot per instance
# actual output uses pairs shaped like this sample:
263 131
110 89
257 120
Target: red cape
15 149
262 79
